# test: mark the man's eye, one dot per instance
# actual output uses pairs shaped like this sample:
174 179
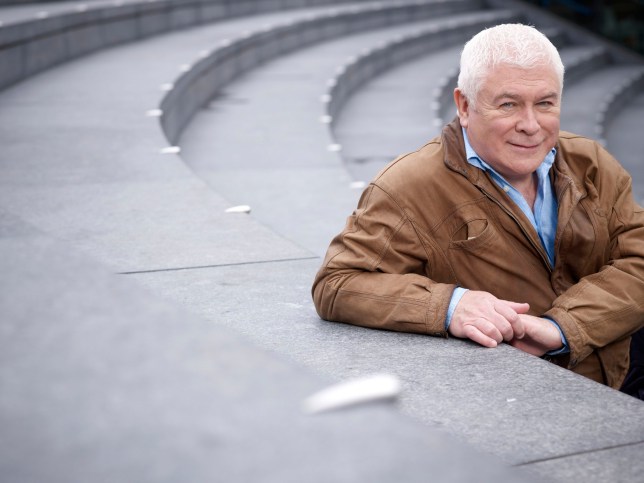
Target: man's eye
507 105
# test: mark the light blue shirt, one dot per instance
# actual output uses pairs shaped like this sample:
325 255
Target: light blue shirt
543 218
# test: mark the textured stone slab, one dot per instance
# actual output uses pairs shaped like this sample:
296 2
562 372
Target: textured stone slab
256 146
626 143
506 402
149 226
100 381
619 465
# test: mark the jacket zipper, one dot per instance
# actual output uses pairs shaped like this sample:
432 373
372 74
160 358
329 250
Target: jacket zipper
537 246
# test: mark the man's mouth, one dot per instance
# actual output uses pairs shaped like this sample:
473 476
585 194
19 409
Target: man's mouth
525 146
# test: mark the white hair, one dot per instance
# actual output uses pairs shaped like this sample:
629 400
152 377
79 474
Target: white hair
516 45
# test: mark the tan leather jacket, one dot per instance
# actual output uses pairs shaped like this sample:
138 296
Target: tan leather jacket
431 221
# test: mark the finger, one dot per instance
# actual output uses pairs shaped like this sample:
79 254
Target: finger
502 325
506 310
479 337
489 329
518 307
518 327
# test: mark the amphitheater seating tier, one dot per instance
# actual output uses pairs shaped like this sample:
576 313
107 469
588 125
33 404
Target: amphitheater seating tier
150 334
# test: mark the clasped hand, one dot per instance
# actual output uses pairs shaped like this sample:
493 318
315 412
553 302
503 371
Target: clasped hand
487 320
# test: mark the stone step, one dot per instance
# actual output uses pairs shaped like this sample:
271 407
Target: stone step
34 38
102 380
588 98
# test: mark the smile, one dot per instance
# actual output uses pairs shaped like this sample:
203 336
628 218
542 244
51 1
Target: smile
523 146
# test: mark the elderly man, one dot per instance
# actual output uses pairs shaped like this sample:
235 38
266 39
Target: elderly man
503 228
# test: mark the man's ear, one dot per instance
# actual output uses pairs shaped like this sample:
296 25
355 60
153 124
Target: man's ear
462 107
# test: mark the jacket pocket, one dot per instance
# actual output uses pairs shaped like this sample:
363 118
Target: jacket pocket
473 235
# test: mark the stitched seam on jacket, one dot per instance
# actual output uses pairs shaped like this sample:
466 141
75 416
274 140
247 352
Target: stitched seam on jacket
401 222
429 313
356 226
386 298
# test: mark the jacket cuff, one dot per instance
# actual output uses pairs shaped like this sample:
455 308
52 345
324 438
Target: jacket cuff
441 295
574 337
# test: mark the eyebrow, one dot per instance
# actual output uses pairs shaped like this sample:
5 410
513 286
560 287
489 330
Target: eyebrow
516 97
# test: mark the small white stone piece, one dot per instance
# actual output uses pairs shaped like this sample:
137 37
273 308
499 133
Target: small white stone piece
326 119
239 209
185 67
357 185
334 148
167 87
154 113
325 98
171 150
366 389
511 399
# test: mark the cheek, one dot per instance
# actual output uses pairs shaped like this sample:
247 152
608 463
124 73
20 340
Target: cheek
551 125
552 133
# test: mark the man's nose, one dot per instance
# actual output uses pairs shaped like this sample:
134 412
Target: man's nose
528 122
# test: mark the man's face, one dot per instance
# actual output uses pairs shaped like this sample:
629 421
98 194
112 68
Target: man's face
516 120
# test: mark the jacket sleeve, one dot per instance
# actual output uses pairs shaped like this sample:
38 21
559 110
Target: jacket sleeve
374 273
608 306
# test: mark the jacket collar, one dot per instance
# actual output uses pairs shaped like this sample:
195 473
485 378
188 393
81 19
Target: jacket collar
456 158
454 145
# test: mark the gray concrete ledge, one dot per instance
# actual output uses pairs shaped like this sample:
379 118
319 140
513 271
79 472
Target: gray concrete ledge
102 381
369 64
30 45
623 92
217 68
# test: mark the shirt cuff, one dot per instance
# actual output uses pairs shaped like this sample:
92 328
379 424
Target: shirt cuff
457 294
565 349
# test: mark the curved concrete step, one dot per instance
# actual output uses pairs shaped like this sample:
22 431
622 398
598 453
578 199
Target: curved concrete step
238 151
64 31
83 162
625 141
135 172
585 102
237 55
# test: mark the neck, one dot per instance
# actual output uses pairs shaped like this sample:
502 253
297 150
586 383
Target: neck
528 188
